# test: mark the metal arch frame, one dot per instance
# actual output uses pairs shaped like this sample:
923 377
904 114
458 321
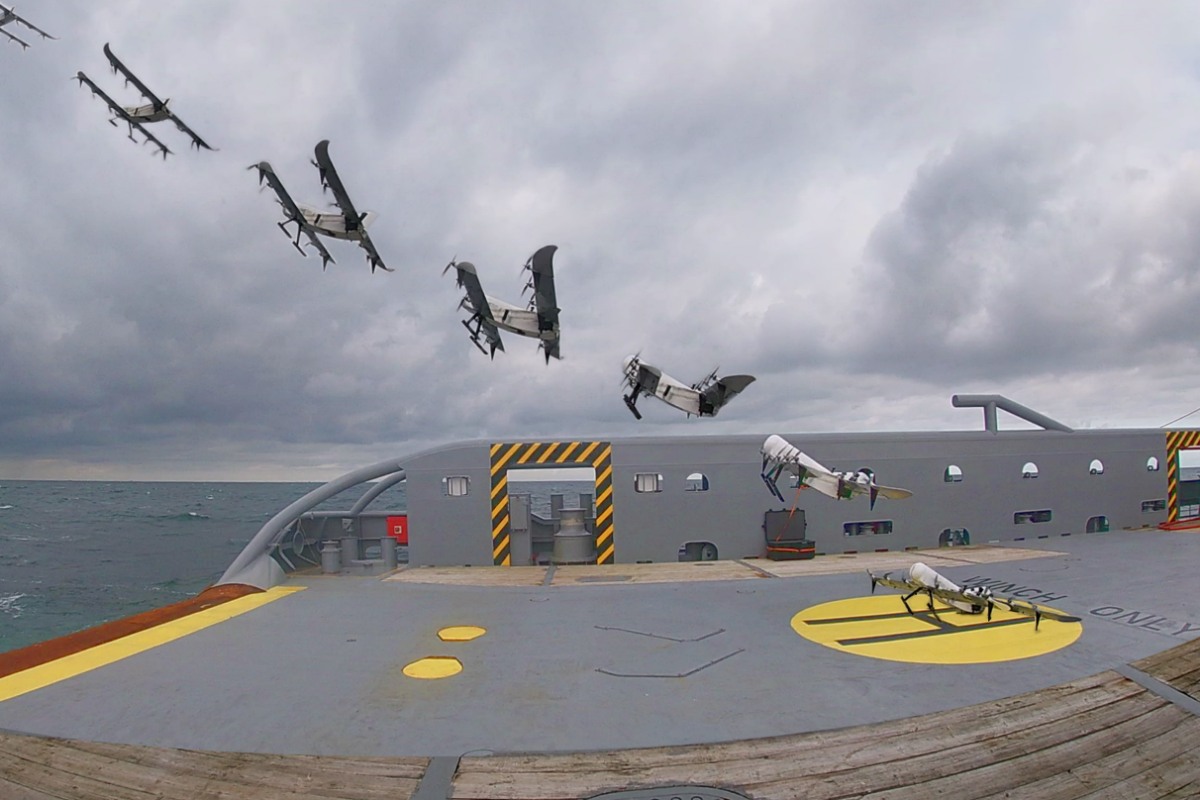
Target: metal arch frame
251 569
369 496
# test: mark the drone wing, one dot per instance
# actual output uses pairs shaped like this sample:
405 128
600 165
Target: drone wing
721 390
355 222
117 66
159 105
541 265
122 114
22 21
481 311
293 214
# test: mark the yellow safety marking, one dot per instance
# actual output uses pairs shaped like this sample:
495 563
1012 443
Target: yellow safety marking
605 515
504 459
500 547
494 449
566 453
603 476
600 458
545 455
101 655
507 560
602 538
461 633
500 506
879 627
604 495
434 667
606 554
529 453
584 455
503 482
499 527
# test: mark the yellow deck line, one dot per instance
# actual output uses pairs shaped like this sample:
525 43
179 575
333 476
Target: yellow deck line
39 677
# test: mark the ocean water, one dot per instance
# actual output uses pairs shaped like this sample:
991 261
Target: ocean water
75 554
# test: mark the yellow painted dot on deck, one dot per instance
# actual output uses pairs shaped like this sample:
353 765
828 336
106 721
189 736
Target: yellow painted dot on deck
434 667
461 633
880 627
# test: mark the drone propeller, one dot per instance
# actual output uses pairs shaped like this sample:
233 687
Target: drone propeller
453 263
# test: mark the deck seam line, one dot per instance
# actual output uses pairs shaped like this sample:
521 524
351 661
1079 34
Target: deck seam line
437 781
1157 687
759 570
546 581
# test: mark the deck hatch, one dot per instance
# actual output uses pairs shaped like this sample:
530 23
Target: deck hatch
530 455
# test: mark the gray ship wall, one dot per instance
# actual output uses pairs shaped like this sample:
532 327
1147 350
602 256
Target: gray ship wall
654 526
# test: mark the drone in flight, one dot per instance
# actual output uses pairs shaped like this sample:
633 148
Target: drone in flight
780 456
134 116
348 223
702 399
922 579
538 320
8 15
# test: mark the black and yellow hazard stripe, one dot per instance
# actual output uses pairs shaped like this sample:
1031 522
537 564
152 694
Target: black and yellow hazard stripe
1176 441
518 455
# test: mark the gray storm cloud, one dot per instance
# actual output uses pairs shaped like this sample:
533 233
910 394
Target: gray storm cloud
868 206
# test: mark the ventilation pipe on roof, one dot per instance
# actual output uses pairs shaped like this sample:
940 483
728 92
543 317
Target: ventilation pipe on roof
990 402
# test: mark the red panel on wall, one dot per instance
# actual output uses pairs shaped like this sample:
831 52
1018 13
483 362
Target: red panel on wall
398 528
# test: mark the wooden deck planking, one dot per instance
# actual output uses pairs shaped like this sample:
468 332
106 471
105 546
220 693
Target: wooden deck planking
681 572
1178 667
1173 778
902 559
472 576
56 766
983 720
1138 763
813 765
690 571
15 791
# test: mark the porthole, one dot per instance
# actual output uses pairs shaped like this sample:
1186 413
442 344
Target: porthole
647 482
953 474
696 482
456 486
1152 464
1096 467
1030 470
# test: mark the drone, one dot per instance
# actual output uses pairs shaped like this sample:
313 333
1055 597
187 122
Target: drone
702 399
347 224
538 320
8 15
780 456
922 579
134 116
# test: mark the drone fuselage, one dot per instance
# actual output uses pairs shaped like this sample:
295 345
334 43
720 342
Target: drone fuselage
333 224
521 321
148 112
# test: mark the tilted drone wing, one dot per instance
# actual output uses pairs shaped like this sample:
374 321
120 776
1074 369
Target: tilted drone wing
356 224
293 214
8 15
160 106
544 300
477 303
119 112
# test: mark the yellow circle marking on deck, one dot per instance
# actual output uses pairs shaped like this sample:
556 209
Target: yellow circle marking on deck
461 633
434 667
880 627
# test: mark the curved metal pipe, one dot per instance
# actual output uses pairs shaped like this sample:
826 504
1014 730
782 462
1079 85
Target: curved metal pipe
260 545
375 491
990 402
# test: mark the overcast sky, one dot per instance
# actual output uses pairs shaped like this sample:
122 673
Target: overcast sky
869 206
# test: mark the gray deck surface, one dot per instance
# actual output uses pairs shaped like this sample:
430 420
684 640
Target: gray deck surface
319 672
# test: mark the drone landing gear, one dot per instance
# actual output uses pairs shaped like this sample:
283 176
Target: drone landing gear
631 404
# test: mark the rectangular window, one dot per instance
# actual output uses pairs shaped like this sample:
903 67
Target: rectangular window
875 528
456 486
1027 517
647 482
1153 505
1189 511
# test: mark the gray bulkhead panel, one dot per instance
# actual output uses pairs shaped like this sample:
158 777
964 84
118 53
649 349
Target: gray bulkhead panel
446 530
653 526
